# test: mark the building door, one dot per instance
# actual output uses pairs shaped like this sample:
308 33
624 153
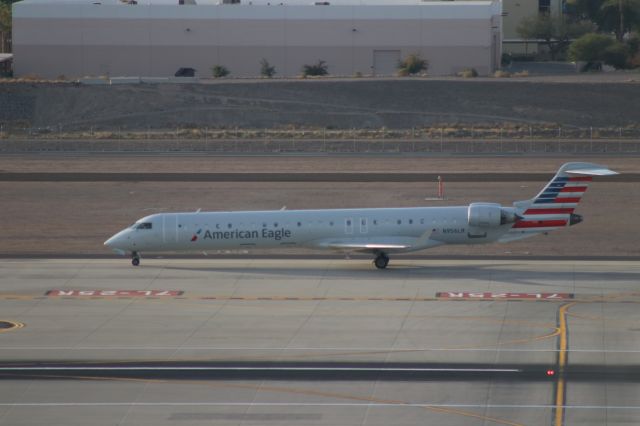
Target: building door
385 62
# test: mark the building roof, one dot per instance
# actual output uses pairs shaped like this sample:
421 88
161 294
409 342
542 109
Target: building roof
258 9
442 3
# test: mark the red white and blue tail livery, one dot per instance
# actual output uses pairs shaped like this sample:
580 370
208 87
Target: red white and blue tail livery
378 231
554 206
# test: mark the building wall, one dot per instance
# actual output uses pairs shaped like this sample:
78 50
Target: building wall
515 11
152 40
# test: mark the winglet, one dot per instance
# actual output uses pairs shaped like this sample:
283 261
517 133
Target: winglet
592 172
585 169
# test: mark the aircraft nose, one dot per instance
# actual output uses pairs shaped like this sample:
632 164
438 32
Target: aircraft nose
116 241
111 241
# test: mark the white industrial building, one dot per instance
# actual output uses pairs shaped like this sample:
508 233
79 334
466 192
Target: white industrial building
78 38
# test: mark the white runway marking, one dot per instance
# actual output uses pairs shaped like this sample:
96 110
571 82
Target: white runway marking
248 368
323 349
309 404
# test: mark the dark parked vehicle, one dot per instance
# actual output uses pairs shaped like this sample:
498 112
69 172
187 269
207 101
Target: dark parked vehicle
185 72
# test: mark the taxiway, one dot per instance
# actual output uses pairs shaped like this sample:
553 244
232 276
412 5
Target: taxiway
326 341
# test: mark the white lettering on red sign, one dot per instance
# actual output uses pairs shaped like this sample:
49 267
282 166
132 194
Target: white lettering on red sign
113 293
491 295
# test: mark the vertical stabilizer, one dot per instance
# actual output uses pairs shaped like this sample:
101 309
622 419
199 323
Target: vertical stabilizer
554 206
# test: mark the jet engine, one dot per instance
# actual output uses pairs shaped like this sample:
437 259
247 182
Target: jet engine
490 215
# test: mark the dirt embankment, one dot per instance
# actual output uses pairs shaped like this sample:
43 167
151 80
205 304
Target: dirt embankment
320 104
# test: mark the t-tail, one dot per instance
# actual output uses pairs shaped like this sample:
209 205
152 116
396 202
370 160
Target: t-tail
554 206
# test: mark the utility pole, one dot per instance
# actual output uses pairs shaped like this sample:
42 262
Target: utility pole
621 20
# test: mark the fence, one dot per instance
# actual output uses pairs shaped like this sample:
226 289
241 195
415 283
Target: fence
426 140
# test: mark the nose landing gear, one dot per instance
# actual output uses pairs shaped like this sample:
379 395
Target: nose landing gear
381 261
135 258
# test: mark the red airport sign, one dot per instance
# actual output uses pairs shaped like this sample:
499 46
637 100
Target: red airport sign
113 293
502 296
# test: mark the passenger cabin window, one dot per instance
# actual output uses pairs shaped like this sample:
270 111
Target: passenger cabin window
145 225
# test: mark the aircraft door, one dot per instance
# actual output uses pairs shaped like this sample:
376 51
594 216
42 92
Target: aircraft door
364 227
170 228
348 226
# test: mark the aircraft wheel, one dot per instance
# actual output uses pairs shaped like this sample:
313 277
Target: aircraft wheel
135 259
381 261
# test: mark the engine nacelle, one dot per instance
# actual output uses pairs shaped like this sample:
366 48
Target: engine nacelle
490 215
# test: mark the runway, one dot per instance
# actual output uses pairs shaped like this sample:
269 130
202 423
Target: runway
289 177
319 342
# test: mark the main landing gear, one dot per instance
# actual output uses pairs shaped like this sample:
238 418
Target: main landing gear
381 261
135 258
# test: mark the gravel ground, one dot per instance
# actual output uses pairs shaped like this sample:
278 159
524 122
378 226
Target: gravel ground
327 103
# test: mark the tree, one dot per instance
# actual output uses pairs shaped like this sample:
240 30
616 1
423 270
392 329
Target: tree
266 70
555 32
619 16
219 71
5 27
316 69
412 64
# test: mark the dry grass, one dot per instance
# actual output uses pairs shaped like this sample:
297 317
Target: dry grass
501 74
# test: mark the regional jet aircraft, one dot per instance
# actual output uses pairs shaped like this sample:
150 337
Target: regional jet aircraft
378 231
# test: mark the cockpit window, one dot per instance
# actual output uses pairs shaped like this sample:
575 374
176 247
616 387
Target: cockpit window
144 225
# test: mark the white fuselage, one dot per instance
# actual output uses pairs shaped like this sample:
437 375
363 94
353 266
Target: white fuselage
377 231
395 229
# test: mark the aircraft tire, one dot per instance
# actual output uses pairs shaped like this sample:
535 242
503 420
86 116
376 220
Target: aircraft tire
381 261
135 261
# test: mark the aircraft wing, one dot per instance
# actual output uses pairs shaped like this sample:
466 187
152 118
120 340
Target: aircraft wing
365 246
375 244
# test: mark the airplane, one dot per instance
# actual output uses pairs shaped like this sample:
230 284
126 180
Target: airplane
377 231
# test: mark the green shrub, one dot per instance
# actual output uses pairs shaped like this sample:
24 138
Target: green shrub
616 55
412 64
218 71
596 49
590 47
320 68
266 70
